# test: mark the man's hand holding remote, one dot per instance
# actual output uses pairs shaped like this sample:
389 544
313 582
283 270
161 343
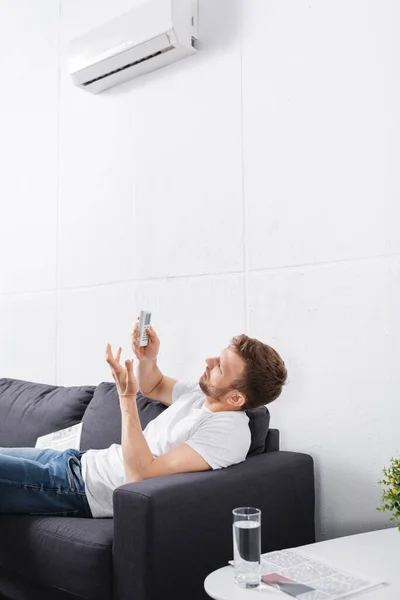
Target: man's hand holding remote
148 352
149 375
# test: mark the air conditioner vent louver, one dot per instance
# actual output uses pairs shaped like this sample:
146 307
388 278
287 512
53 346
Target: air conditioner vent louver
128 66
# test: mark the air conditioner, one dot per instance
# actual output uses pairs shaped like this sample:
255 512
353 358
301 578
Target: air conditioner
152 35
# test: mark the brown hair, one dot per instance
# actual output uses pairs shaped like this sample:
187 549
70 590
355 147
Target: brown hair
264 374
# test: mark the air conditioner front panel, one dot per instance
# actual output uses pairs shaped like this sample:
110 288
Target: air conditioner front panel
153 34
147 21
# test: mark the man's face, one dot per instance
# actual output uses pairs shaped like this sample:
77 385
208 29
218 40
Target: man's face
221 372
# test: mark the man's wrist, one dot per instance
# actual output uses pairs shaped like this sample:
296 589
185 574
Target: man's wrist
148 375
128 405
127 399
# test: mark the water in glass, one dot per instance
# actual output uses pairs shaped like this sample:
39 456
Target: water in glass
247 552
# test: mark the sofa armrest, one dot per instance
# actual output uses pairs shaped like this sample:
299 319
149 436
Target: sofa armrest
170 532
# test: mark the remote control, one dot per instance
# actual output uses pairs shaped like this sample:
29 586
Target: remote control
144 324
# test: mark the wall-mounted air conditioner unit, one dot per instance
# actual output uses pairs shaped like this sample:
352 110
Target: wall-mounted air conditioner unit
152 35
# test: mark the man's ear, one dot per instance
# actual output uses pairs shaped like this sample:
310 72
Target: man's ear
236 399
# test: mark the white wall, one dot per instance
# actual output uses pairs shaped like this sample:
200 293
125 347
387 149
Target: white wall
251 188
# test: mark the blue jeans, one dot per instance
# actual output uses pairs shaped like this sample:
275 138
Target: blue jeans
42 482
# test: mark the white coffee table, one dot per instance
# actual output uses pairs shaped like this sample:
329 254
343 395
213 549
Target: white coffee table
375 555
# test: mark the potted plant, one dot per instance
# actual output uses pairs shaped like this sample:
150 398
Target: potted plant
391 493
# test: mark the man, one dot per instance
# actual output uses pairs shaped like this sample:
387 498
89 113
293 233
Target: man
205 427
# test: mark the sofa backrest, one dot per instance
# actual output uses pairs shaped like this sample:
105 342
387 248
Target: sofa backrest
273 441
102 420
29 410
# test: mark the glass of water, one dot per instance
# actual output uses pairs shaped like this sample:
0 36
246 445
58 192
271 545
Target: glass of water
247 546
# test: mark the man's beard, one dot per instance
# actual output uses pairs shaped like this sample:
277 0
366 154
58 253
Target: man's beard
212 391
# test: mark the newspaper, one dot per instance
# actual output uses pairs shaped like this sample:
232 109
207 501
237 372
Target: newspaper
308 579
70 437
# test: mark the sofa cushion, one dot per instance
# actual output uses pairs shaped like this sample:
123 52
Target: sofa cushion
259 426
102 419
29 410
70 554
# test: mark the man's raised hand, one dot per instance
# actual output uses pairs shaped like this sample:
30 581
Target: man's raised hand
123 376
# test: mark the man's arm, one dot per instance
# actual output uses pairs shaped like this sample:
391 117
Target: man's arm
152 383
139 463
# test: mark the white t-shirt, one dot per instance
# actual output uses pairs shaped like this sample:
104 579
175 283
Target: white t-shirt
221 438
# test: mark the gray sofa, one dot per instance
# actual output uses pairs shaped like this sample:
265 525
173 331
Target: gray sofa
167 533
